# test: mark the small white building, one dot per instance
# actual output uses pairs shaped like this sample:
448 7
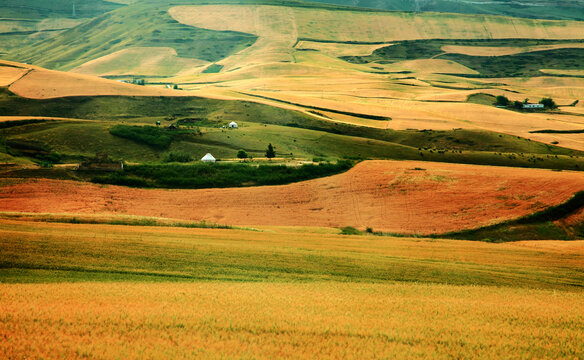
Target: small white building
233 125
208 158
533 106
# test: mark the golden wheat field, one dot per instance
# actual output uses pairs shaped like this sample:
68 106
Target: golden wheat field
113 291
383 258
267 321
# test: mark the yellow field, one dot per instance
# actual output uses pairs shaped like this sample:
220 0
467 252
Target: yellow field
275 68
267 321
9 74
379 27
154 61
113 292
337 49
563 72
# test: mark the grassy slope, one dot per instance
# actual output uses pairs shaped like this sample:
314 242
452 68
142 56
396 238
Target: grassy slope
523 64
57 252
293 133
133 26
27 22
147 24
41 9
572 10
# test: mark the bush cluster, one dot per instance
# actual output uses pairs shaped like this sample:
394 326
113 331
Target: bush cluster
217 175
502 100
149 135
181 157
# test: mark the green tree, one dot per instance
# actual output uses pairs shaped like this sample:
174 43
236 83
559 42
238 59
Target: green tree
270 153
501 100
548 103
242 154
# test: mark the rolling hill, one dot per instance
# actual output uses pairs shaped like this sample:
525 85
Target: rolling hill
394 196
417 69
352 240
539 9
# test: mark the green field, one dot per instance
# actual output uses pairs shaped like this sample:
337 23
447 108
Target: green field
139 26
41 252
294 134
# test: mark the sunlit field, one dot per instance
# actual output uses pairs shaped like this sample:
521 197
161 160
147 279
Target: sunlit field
325 320
390 182
111 291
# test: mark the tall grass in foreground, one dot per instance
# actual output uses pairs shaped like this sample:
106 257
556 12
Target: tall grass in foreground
268 321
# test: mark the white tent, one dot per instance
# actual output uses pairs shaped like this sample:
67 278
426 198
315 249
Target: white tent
233 125
208 158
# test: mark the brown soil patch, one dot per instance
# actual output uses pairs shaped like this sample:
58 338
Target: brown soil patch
396 196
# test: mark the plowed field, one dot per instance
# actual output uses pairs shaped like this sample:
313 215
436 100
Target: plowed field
405 197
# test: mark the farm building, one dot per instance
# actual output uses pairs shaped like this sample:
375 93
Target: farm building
208 158
533 106
233 125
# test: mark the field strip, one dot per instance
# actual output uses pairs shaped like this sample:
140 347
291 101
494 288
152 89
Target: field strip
440 198
503 51
20 118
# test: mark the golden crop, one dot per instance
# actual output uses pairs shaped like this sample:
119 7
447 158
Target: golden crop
321 320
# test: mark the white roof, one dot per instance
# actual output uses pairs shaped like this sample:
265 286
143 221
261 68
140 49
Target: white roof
233 123
208 157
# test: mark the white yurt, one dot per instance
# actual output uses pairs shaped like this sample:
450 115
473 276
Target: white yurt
233 125
208 158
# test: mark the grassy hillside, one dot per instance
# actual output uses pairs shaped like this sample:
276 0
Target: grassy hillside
133 26
27 22
41 9
573 10
148 24
295 134
523 64
191 254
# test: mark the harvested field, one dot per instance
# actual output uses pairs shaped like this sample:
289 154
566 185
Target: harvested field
45 84
380 27
9 74
504 50
339 49
402 197
153 61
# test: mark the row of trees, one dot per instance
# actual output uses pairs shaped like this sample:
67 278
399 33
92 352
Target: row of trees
270 153
501 100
